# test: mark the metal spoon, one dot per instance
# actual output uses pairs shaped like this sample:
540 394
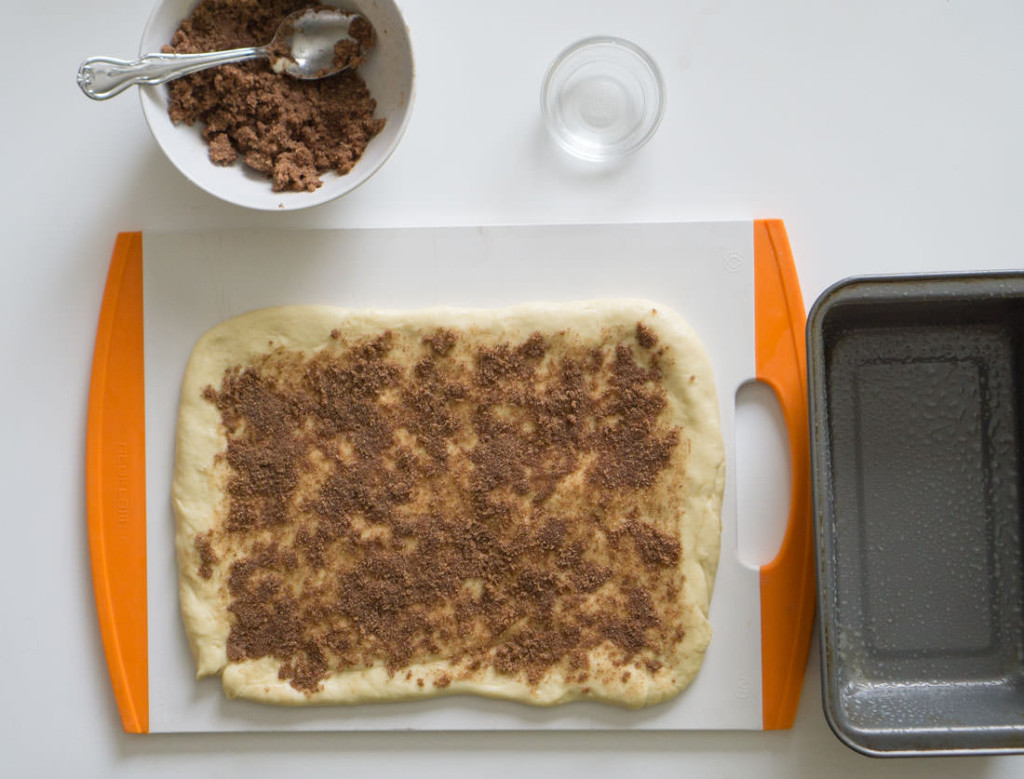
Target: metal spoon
303 47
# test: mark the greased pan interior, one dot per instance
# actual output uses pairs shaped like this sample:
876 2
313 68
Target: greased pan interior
915 393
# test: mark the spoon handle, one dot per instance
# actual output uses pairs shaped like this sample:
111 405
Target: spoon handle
102 77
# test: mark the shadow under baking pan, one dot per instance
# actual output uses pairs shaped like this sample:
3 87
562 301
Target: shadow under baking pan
916 392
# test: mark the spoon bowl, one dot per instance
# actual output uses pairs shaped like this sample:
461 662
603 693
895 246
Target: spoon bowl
320 42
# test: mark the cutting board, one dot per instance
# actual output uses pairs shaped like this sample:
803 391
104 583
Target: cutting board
734 282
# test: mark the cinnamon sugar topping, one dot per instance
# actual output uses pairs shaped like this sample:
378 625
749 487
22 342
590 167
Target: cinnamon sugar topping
431 499
290 130
645 336
206 556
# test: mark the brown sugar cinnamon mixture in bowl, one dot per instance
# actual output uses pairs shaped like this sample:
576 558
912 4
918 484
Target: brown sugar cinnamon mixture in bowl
289 130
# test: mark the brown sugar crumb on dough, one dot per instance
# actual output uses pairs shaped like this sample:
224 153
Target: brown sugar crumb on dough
444 680
630 456
646 337
335 334
291 130
207 559
654 546
464 505
441 341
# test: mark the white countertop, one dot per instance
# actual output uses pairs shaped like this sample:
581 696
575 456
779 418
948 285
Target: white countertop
887 135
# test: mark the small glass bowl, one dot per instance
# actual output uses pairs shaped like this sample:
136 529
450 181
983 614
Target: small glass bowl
603 98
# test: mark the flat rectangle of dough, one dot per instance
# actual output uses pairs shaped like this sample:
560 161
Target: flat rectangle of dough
521 503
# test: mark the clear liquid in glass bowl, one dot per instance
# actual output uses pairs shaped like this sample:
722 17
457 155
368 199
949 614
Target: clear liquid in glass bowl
603 98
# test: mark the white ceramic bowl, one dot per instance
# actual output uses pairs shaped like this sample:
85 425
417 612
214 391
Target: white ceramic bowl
388 73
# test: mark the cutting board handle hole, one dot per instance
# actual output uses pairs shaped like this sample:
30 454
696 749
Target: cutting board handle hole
762 475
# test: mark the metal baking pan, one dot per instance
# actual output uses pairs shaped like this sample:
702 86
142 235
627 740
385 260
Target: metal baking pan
916 389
